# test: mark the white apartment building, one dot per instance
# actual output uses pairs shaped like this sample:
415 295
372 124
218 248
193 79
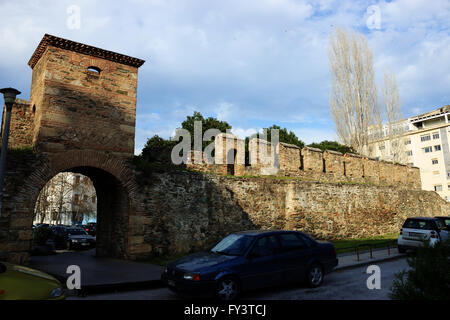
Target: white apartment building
67 198
424 142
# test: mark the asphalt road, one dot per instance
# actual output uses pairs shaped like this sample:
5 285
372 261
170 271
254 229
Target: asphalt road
339 285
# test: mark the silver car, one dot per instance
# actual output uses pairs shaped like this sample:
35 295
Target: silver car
418 230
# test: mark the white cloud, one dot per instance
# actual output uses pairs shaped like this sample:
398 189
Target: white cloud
251 63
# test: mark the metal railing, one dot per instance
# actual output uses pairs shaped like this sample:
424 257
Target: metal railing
390 244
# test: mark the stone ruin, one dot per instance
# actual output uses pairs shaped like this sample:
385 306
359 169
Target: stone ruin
287 160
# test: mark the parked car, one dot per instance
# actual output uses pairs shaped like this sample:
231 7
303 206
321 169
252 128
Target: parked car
79 238
59 236
445 221
91 228
418 230
249 260
22 283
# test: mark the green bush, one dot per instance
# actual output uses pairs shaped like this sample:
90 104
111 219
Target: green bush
428 277
158 150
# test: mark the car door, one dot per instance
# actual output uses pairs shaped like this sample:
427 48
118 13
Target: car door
294 257
262 265
443 231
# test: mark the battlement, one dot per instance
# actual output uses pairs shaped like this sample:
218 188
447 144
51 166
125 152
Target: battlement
308 163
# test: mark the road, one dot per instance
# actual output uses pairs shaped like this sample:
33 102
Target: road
339 285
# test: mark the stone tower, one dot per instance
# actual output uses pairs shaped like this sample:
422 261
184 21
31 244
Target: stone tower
82 98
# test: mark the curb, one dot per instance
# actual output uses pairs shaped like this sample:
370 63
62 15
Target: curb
110 287
369 262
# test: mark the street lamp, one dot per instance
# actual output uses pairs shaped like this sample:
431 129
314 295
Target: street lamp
9 94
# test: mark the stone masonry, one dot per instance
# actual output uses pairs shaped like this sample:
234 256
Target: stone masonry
81 118
310 163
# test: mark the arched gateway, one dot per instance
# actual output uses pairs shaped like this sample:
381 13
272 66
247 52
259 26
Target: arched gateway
80 118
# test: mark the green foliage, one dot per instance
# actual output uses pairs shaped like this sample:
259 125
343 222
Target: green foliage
208 123
332 145
158 150
428 277
283 136
41 235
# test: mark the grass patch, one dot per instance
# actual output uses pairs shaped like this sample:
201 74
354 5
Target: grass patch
348 245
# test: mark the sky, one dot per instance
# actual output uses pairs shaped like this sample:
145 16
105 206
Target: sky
252 63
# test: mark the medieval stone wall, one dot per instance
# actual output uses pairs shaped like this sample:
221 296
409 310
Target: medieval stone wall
187 211
21 126
311 164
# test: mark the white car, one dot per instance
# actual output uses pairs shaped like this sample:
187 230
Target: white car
417 230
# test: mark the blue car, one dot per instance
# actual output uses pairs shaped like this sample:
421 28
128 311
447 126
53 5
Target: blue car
250 260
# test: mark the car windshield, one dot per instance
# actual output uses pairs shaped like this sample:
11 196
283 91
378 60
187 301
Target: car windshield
77 232
233 245
419 224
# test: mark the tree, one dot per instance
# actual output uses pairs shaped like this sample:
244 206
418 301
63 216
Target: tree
283 136
158 149
332 145
208 123
66 193
353 98
393 116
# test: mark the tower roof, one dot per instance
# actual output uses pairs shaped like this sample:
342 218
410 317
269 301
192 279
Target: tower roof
49 40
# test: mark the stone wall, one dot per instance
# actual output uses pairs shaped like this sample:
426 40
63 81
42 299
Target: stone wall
21 125
309 163
188 211
289 157
166 212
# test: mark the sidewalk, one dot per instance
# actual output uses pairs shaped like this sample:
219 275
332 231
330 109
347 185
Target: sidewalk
350 260
100 274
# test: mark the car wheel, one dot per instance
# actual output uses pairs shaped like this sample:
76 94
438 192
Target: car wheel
228 289
401 249
314 276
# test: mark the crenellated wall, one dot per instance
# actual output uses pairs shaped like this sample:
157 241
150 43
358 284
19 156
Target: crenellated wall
309 163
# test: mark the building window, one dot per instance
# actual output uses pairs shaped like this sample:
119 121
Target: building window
409 153
436 135
435 173
437 148
448 186
427 149
434 161
425 138
438 188
408 142
381 146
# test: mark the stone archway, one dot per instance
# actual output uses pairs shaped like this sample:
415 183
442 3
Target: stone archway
116 197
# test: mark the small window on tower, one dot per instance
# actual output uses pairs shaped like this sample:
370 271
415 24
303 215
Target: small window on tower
94 70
